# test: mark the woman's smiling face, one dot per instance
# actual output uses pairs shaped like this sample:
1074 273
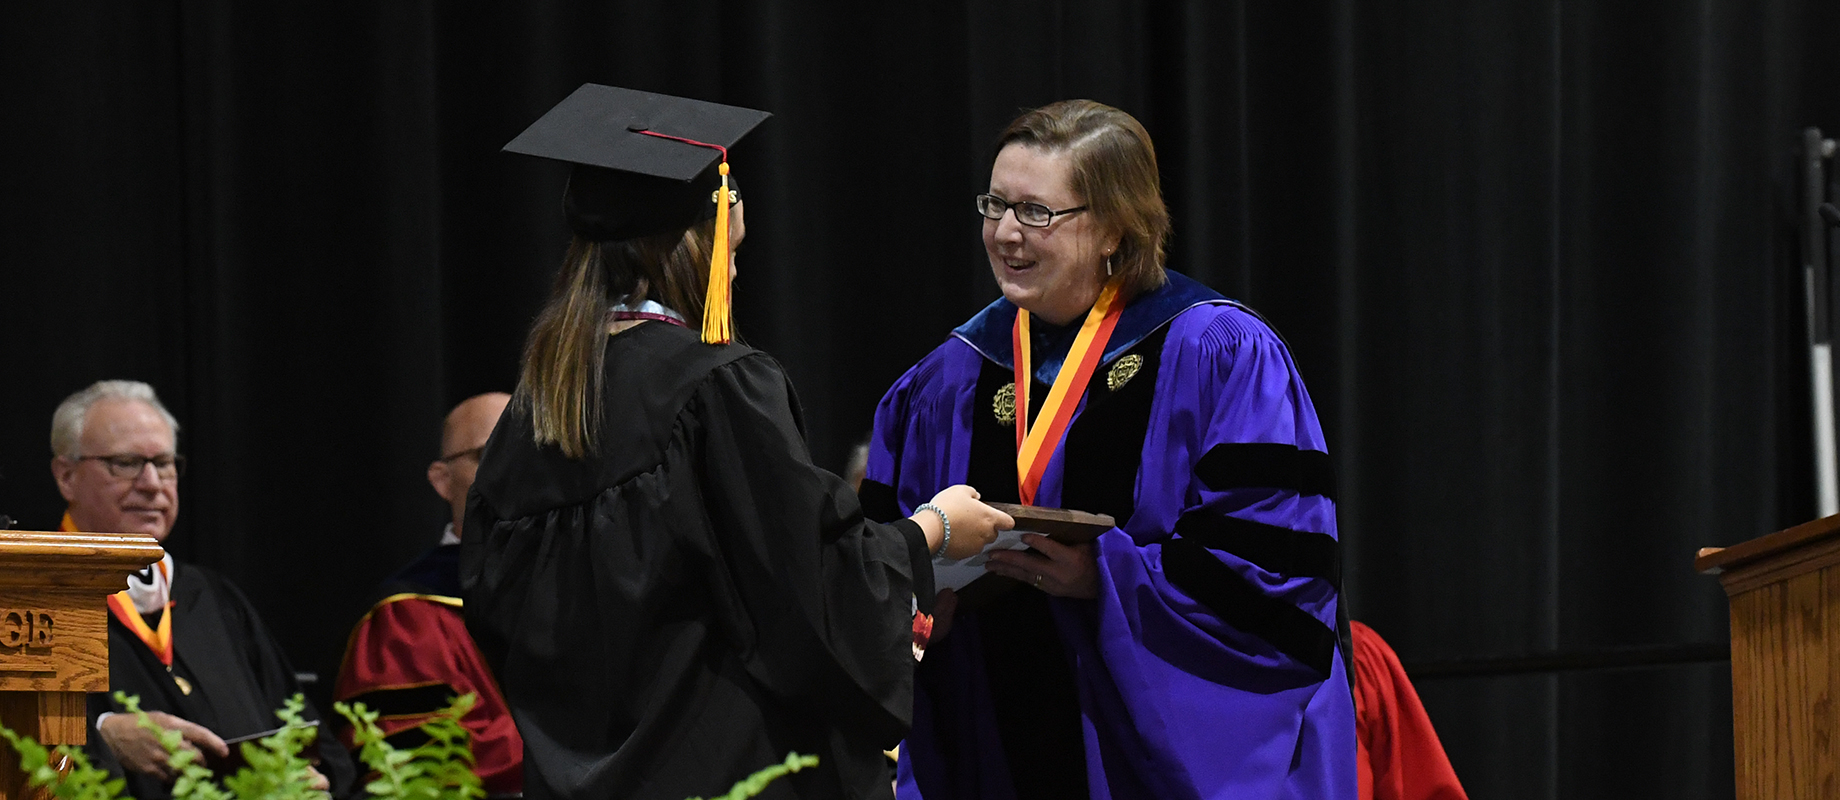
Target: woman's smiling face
1056 271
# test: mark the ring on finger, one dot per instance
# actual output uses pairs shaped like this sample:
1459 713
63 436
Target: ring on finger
1038 577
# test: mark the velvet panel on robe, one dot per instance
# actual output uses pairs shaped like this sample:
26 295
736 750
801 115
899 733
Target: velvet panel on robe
1208 665
1400 755
411 655
696 601
239 677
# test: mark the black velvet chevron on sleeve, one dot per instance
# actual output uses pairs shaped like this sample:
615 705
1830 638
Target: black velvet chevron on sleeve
408 700
1281 551
1238 465
1189 565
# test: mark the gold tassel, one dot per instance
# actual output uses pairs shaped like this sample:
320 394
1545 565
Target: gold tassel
717 325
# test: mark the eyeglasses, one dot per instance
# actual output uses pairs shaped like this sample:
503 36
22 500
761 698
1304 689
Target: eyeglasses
1034 215
128 466
475 453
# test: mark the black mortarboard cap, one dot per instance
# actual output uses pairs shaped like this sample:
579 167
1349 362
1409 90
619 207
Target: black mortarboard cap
626 183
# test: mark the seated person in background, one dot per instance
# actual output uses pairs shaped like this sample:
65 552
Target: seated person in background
181 637
411 654
854 471
1399 756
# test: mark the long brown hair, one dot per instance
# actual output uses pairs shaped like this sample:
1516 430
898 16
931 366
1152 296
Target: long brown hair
565 356
1115 175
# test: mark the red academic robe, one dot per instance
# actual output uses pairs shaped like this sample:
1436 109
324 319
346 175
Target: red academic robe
1399 756
407 658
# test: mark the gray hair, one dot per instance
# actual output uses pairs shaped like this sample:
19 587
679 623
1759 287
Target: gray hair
67 421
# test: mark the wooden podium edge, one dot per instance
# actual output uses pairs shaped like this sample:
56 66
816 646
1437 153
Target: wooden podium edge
74 560
1714 560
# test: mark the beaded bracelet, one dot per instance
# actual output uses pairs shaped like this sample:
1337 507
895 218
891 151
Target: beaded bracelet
946 540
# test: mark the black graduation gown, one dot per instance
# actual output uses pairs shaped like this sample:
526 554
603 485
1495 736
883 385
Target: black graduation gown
239 676
697 600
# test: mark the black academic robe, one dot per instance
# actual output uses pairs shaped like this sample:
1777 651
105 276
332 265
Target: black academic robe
239 676
697 600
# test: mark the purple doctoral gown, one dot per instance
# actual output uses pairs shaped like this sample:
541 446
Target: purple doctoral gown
1208 666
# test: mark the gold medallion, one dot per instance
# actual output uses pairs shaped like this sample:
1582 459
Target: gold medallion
185 686
1004 406
1123 370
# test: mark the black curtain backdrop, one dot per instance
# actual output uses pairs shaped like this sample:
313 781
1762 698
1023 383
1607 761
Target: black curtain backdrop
1535 258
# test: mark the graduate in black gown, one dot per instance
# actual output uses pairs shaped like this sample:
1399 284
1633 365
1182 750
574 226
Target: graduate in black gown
671 594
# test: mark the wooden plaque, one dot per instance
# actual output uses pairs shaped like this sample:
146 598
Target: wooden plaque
1063 525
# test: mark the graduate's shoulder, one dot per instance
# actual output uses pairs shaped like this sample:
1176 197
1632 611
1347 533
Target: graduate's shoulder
651 375
665 355
666 372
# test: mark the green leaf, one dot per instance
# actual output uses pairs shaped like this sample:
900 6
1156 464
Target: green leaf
756 783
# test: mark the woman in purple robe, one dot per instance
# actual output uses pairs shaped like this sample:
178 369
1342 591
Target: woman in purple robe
1190 652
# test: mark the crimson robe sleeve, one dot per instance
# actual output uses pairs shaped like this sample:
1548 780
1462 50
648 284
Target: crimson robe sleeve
408 658
1400 756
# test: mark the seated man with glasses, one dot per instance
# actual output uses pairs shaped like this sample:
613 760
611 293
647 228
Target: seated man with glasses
411 654
181 637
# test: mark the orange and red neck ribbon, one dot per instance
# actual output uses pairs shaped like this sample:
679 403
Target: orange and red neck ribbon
718 322
1034 448
122 607
159 640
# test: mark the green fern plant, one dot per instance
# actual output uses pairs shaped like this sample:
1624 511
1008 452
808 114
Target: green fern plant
83 782
440 769
275 769
756 783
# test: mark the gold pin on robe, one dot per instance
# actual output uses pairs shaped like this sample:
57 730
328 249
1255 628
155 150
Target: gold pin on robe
1004 404
1123 370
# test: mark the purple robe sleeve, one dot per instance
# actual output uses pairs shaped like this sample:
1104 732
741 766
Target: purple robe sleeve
1216 614
921 439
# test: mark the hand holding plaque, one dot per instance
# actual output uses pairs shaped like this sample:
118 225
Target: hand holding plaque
976 583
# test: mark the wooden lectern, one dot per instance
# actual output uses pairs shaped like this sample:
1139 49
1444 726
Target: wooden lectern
54 632
1785 658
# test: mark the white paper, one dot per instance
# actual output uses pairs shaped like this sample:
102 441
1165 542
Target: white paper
955 574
